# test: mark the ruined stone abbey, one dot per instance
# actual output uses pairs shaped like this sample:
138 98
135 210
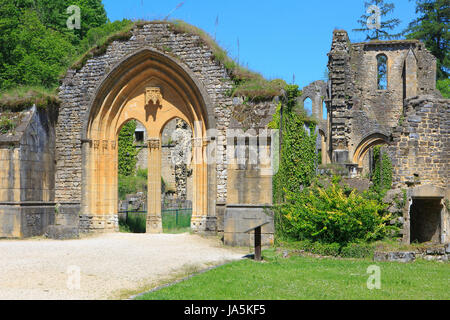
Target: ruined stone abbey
58 170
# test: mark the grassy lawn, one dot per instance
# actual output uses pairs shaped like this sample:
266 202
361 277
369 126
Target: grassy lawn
303 278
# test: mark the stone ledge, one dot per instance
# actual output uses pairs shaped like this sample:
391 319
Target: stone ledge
62 232
403 257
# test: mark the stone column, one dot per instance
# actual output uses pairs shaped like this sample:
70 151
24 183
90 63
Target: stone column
200 194
154 220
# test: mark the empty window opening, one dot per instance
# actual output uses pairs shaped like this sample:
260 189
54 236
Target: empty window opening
382 72
139 136
308 106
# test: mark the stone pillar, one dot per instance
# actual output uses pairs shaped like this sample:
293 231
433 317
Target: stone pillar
324 150
200 194
154 220
410 75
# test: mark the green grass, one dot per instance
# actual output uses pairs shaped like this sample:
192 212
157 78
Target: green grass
137 223
303 278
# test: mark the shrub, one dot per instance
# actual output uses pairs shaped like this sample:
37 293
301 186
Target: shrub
136 223
131 185
358 250
6 125
331 216
326 249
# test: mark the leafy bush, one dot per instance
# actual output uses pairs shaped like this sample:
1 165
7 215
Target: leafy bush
331 216
358 250
352 250
326 249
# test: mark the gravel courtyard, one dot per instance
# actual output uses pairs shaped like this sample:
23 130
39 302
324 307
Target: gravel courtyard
112 266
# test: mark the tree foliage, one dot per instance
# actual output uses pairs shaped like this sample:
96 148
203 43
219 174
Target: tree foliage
386 26
39 54
36 46
444 87
431 27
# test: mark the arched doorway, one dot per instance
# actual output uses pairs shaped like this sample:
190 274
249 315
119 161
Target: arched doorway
153 89
369 142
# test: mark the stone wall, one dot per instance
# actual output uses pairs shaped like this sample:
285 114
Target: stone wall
79 87
420 150
358 108
27 176
249 200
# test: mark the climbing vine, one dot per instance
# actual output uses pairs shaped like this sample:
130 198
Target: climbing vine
127 150
298 158
382 173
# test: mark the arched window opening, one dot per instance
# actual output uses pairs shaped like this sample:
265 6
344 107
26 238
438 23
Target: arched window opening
177 192
307 104
382 72
133 173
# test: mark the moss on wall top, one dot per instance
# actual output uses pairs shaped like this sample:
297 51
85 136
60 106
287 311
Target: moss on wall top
246 82
22 98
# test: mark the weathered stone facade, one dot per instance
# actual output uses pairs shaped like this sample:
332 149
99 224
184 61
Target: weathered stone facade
60 170
409 116
80 90
27 170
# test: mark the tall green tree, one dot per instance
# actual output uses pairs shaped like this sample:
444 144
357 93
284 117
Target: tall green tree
431 27
53 14
35 43
373 22
35 55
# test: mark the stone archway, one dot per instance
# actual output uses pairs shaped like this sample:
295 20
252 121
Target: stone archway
370 141
153 89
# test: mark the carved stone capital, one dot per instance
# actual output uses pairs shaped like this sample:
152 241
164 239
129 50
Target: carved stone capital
154 143
113 145
105 144
153 94
96 144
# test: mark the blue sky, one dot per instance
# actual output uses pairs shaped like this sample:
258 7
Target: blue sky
277 38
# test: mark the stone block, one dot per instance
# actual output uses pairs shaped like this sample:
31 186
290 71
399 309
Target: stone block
436 251
240 218
62 232
403 257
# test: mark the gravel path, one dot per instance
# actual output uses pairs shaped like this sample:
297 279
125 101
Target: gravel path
108 264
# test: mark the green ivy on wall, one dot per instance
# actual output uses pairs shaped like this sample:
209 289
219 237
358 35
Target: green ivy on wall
298 158
382 173
127 150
